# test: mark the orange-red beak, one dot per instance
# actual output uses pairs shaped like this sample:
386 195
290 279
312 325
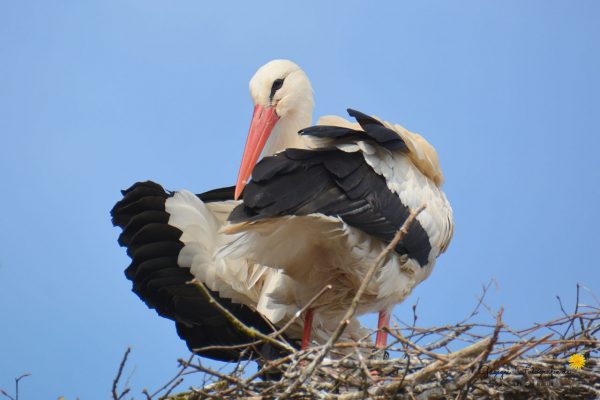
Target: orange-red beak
263 121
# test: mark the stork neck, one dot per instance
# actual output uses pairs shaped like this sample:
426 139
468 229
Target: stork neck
285 133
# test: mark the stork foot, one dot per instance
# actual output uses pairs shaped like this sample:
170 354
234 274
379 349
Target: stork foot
375 373
376 377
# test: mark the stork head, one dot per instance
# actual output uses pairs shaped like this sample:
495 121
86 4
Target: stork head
283 103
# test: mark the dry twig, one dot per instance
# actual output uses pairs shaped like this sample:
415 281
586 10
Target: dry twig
115 393
17 380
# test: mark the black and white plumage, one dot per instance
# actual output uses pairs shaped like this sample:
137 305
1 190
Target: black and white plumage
321 207
160 278
192 225
322 214
172 238
335 183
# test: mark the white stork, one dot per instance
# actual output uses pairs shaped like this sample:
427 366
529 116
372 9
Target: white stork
324 203
173 237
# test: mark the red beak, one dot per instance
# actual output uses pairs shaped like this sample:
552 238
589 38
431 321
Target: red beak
263 121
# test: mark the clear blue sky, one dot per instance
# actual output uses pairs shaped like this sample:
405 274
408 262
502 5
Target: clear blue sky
97 95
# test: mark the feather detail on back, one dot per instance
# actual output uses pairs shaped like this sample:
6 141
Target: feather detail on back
422 154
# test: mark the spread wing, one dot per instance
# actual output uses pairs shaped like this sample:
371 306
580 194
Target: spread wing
161 283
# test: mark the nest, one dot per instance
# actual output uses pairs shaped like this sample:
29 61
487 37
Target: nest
554 360
467 360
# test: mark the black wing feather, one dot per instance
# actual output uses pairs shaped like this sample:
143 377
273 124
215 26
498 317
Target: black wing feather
161 283
373 131
332 183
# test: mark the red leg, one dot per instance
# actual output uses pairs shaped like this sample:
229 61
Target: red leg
381 338
308 319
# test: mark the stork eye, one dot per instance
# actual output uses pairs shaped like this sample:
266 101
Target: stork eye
277 84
